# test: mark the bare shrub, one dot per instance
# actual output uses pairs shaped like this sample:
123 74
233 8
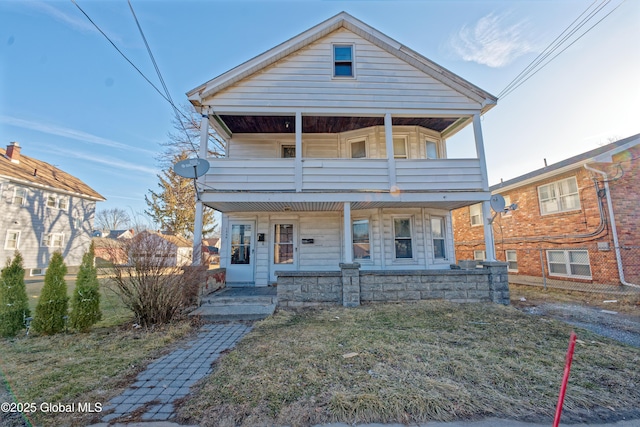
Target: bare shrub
150 283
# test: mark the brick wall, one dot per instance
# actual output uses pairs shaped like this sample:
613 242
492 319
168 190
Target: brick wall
531 234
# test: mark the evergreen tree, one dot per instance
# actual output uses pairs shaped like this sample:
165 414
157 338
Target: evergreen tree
173 207
14 303
53 302
85 303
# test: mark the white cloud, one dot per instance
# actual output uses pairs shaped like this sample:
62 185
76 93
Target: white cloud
77 135
78 23
492 41
112 162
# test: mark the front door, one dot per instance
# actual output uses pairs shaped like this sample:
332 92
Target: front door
241 264
284 247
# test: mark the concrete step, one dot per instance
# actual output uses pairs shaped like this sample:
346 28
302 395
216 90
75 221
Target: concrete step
239 300
226 312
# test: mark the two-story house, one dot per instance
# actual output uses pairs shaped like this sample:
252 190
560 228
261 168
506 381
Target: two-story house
336 153
576 223
44 210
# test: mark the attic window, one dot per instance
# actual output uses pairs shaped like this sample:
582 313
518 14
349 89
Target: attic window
343 60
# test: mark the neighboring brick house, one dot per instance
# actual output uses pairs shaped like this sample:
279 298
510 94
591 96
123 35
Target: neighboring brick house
44 210
576 220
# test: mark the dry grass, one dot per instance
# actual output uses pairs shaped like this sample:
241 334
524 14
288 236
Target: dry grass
82 367
414 363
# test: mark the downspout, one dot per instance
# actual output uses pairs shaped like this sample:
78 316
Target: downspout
612 220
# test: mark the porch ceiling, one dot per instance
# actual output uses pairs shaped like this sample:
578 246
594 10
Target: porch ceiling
325 124
227 207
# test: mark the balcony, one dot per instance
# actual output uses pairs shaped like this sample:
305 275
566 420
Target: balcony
343 175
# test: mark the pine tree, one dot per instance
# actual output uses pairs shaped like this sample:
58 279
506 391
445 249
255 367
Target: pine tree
173 207
85 303
14 303
53 302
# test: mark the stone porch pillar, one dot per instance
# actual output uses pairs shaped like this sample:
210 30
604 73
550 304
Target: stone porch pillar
350 284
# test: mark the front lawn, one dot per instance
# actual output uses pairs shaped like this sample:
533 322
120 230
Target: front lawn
417 362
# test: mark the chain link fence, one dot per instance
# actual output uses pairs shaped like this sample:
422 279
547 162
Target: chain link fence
593 267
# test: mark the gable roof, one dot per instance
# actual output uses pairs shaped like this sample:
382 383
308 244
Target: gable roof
600 154
341 20
36 173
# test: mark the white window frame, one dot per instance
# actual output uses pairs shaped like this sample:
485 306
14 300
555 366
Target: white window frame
48 240
557 197
406 146
7 240
334 62
443 238
37 271
507 203
55 201
356 141
353 243
479 255
411 237
511 257
23 198
478 215
568 263
426 149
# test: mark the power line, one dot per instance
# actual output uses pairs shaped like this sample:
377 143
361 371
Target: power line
519 80
168 99
166 90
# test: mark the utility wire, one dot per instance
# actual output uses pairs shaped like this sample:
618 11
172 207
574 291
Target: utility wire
544 53
166 90
134 66
523 79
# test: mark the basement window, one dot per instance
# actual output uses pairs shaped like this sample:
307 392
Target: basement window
569 263
343 60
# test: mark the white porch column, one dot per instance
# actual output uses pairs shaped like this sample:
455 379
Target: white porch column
197 226
348 239
298 165
391 161
490 250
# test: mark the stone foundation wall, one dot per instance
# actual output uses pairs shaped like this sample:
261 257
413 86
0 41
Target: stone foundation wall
351 286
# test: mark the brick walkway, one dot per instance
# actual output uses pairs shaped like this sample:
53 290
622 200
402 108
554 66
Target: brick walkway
170 377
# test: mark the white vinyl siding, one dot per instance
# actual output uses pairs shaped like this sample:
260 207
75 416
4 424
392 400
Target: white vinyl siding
475 213
569 263
12 241
559 196
304 80
512 260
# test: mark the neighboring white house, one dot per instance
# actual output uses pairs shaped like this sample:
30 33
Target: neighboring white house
336 153
44 210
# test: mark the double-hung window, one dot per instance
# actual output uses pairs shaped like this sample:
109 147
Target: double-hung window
343 60
570 263
361 242
512 260
57 202
402 238
559 196
475 212
19 196
12 240
438 237
53 240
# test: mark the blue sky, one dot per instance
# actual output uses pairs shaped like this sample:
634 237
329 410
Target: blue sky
70 99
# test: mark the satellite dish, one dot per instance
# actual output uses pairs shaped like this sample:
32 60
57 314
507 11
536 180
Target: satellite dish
497 203
191 168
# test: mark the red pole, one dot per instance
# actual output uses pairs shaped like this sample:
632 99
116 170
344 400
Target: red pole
565 378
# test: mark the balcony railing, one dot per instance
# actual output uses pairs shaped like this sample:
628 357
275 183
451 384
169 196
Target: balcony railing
343 175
